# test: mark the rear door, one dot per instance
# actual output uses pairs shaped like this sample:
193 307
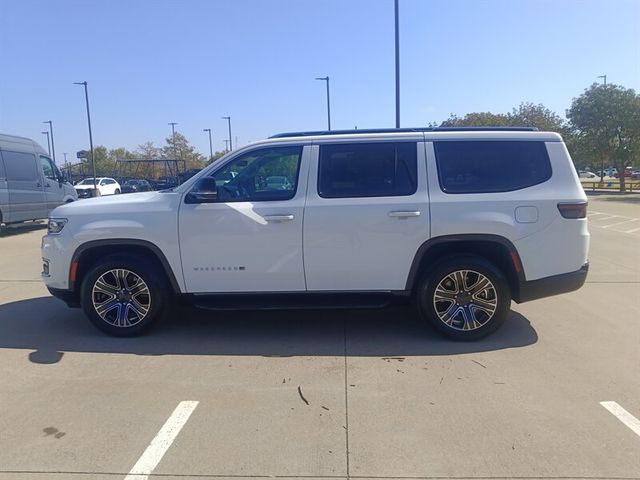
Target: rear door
25 183
366 215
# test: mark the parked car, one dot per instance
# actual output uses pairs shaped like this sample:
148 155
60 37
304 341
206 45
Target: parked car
30 183
136 185
163 183
585 174
278 182
635 175
105 186
462 222
628 172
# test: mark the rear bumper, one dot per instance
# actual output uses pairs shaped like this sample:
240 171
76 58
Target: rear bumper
67 296
549 286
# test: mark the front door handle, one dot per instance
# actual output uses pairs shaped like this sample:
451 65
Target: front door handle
403 214
278 218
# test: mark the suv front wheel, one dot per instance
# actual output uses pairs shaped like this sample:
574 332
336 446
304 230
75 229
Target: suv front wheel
465 297
123 294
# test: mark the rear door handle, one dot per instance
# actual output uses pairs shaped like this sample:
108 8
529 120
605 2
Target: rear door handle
403 214
278 218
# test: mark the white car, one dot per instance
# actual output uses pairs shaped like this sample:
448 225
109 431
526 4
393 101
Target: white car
105 185
586 175
461 221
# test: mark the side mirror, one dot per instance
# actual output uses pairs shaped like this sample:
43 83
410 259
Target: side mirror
205 191
201 197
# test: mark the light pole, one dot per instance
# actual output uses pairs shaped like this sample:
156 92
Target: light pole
53 145
604 77
397 66
48 142
228 119
93 160
226 145
208 130
326 79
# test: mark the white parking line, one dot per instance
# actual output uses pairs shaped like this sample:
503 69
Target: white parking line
620 223
625 417
162 441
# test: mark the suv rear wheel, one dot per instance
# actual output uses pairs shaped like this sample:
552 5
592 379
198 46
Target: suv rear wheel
465 297
123 294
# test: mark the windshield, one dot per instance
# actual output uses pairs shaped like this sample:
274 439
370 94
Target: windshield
88 181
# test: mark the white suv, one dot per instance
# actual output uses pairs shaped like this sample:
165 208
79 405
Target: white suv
461 220
105 186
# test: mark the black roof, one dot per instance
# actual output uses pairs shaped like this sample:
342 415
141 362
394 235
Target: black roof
401 130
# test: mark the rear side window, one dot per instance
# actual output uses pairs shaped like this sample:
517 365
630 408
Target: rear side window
20 166
491 166
378 169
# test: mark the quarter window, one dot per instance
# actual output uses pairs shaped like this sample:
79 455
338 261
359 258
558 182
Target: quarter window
380 169
491 166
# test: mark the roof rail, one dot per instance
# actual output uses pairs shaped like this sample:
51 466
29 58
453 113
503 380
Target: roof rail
403 130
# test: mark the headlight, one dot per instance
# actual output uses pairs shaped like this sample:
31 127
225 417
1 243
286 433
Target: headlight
56 225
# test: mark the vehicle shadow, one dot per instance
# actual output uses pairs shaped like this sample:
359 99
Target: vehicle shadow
48 328
19 229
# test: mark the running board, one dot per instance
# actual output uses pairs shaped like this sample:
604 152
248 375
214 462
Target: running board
291 301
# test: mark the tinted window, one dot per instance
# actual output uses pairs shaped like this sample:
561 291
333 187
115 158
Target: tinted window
47 168
20 166
250 177
491 166
367 170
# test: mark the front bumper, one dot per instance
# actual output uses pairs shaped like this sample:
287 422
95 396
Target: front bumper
67 296
549 286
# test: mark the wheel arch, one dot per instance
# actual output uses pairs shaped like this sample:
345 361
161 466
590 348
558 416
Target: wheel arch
494 248
86 255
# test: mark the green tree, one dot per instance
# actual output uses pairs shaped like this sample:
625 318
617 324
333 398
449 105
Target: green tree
477 119
606 121
216 156
526 114
104 164
182 150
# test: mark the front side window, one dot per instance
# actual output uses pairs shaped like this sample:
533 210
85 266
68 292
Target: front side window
267 174
491 166
47 168
378 169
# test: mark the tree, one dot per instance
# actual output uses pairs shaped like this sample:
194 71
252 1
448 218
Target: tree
526 114
217 155
606 122
183 151
477 119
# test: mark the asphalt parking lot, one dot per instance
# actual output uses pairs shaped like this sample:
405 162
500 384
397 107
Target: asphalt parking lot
327 394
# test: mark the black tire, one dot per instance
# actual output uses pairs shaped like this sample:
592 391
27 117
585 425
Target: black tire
123 311
117 192
472 313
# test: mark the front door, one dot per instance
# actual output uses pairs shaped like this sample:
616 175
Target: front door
241 226
53 188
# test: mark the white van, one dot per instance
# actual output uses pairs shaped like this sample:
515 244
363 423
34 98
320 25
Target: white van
30 183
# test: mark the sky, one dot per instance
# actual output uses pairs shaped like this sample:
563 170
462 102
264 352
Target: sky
150 62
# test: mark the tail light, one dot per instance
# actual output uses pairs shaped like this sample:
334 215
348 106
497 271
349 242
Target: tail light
573 210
